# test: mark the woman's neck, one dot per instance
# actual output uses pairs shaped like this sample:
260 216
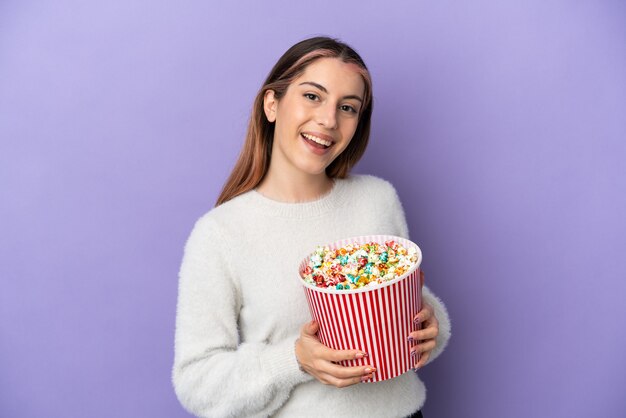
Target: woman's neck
296 187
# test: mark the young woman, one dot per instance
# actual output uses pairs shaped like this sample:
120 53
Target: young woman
245 346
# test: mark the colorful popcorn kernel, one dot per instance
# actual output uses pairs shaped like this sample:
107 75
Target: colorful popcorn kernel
355 266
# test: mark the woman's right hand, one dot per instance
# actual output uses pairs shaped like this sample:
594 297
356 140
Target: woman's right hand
320 361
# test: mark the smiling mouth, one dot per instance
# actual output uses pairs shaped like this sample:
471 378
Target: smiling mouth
316 142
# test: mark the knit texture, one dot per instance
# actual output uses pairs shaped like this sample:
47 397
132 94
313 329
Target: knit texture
241 307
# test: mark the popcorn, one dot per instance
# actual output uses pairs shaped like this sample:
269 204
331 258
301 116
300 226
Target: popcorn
355 266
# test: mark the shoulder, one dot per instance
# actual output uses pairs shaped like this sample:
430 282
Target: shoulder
378 194
233 209
370 184
216 221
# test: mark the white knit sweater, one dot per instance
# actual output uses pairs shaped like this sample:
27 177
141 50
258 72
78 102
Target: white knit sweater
241 306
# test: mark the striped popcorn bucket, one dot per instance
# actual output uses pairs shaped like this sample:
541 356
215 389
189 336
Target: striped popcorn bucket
375 319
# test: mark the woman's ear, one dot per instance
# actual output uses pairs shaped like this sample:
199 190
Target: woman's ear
269 105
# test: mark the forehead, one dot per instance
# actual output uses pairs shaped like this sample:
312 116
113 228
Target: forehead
337 76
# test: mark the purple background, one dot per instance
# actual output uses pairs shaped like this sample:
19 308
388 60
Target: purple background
501 124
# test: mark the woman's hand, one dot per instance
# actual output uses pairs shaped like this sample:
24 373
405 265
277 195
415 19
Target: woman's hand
320 361
425 337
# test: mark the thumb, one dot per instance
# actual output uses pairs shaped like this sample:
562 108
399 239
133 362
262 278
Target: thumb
311 328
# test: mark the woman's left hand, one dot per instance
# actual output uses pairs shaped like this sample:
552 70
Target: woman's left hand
425 337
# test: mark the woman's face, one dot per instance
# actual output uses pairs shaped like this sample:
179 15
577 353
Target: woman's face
317 117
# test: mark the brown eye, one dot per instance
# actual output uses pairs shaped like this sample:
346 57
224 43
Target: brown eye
310 96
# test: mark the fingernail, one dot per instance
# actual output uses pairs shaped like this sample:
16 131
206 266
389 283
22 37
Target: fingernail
416 321
360 355
369 370
366 378
413 353
411 339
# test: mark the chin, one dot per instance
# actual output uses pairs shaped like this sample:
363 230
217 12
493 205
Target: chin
312 169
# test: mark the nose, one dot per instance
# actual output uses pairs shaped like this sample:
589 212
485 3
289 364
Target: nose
327 115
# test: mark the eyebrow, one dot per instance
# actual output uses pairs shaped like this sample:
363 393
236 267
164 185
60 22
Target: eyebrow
319 86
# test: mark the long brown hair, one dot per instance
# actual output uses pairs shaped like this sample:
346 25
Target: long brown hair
254 159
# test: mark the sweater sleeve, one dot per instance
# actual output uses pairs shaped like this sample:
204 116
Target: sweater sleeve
442 316
214 374
400 224
396 213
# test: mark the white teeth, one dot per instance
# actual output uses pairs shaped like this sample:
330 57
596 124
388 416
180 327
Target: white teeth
318 140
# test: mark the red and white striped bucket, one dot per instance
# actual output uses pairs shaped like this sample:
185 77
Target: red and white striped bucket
376 320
